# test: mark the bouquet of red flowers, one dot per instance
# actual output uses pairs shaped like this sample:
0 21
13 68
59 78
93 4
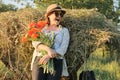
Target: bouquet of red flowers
34 33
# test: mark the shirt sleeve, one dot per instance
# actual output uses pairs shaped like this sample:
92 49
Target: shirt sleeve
35 43
65 42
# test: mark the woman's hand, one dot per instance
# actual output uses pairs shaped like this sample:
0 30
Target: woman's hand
52 53
44 59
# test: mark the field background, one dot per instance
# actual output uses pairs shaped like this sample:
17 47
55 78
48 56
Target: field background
104 66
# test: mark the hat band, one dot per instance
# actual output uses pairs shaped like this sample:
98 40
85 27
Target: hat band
57 8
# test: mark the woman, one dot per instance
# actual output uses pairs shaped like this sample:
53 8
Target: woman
53 16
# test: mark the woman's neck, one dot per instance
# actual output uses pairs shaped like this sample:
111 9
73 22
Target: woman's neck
53 25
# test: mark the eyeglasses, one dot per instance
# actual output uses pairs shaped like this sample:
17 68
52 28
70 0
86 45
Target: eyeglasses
59 13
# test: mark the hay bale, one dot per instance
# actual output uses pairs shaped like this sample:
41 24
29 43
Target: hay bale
15 55
88 30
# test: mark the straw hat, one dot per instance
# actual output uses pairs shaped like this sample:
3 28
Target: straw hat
54 7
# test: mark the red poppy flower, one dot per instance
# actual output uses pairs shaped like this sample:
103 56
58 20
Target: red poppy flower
41 24
34 36
32 24
24 39
32 31
35 30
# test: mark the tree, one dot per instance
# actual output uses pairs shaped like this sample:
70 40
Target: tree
9 7
104 6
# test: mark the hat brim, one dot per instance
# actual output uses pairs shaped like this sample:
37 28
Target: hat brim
48 13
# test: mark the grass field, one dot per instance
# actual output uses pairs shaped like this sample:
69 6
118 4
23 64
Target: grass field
104 67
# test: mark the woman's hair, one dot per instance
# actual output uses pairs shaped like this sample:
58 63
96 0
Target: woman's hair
48 20
50 9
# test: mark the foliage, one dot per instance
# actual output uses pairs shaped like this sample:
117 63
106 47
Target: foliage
104 6
104 66
9 7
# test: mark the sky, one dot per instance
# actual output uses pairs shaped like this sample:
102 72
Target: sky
116 4
19 5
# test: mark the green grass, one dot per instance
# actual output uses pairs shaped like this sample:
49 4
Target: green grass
104 67
5 72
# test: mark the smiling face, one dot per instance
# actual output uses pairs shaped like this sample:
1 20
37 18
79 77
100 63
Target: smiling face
55 17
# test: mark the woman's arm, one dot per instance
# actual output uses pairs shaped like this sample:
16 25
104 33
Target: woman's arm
39 46
46 58
65 42
50 51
